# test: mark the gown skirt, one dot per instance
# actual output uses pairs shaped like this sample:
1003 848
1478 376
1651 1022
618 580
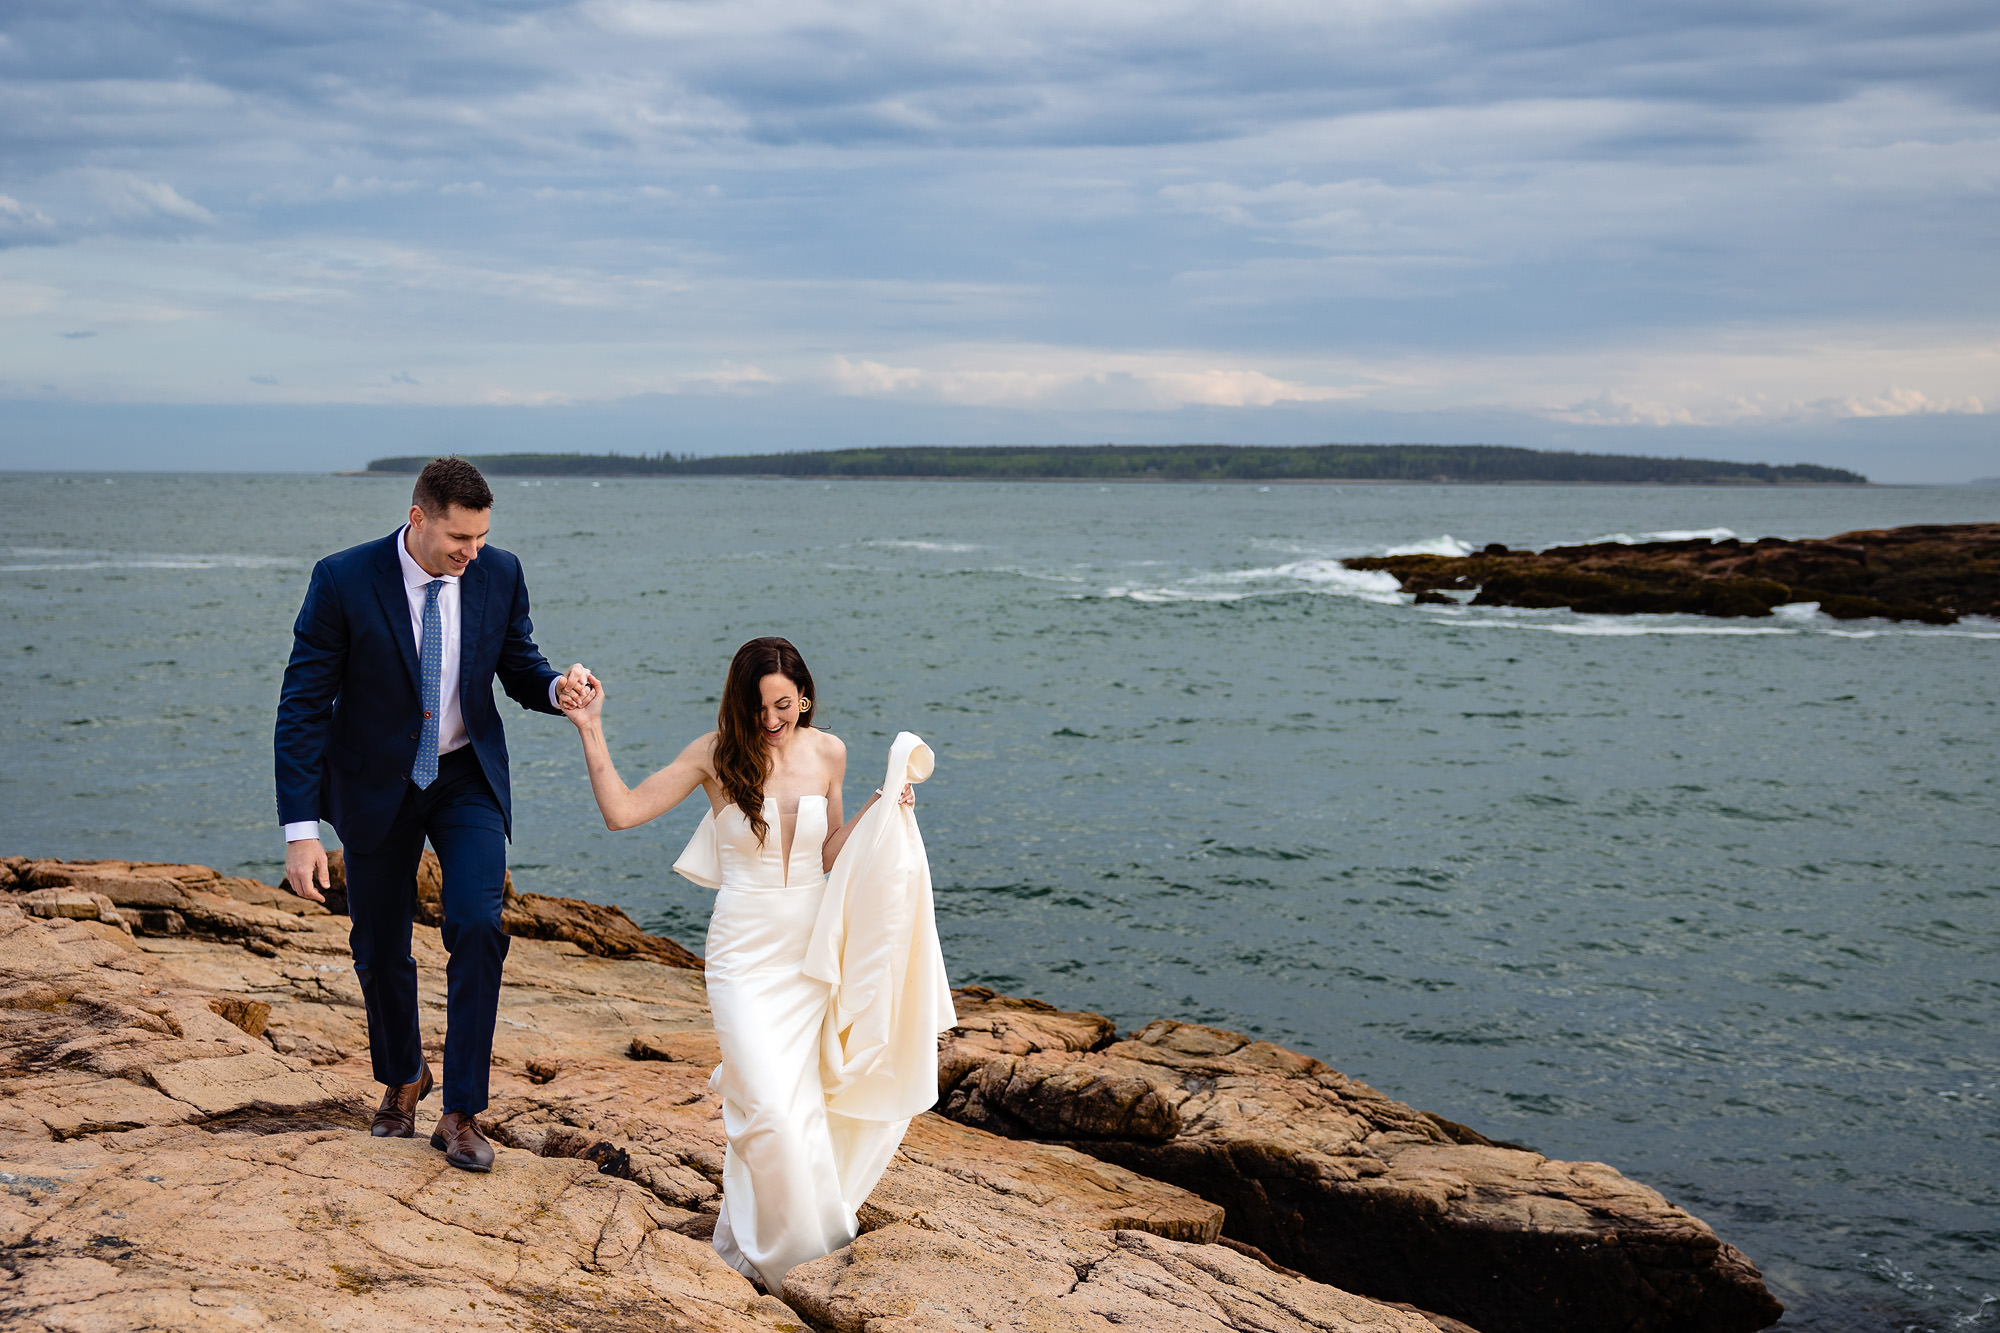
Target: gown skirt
795 1173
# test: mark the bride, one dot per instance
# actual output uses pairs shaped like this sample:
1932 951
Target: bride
795 1172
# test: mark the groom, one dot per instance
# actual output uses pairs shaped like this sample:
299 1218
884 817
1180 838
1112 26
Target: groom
387 729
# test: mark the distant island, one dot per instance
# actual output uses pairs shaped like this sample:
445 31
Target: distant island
1486 463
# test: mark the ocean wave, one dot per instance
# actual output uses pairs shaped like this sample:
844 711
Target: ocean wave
1162 595
1373 585
39 559
899 544
1313 577
1802 618
1622 629
1666 535
1442 545
1323 572
1928 632
1325 576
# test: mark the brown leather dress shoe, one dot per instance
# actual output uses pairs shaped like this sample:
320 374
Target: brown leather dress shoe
396 1117
464 1146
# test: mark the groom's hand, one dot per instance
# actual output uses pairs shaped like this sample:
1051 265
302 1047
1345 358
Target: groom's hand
305 867
575 687
589 707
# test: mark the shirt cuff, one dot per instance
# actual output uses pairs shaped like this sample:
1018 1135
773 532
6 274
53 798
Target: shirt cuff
299 832
552 692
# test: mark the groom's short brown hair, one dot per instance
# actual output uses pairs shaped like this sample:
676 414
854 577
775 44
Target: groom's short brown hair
445 482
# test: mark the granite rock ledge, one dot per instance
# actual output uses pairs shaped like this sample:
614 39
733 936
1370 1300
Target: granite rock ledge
1330 1177
183 1112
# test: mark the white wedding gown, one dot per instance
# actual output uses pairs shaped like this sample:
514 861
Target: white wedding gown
795 1172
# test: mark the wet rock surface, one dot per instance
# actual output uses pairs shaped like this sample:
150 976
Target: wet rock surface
183 1135
1931 573
1327 1176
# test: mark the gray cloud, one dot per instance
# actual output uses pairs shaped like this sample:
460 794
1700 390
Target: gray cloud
387 197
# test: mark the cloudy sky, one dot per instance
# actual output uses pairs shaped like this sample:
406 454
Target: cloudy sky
297 232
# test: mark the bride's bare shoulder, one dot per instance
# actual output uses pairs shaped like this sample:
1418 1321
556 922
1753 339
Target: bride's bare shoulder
702 751
831 748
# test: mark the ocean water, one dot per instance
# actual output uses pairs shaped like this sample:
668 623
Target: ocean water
1715 902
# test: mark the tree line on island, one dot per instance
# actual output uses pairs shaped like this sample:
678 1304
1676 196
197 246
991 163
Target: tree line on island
1176 462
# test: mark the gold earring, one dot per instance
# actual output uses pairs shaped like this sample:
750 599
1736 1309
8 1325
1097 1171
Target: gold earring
805 704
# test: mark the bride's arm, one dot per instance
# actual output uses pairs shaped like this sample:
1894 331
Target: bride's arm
838 838
626 807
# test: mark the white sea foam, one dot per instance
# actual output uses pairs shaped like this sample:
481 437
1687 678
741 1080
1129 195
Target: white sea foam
1284 547
1610 629
1667 535
1444 545
1928 632
956 548
1375 585
1802 619
38 559
1168 595
1320 570
1323 577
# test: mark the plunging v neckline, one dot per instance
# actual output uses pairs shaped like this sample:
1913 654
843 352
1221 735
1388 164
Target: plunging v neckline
775 816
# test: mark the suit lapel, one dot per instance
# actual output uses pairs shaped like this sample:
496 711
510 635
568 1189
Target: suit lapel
396 605
471 616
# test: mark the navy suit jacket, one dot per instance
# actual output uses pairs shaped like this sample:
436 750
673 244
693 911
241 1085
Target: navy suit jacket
350 711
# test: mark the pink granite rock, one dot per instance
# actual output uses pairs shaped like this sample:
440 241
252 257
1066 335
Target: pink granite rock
1330 1177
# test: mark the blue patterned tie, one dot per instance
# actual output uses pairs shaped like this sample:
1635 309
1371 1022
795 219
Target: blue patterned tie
430 663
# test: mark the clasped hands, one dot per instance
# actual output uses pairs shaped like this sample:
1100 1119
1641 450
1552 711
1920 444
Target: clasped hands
575 688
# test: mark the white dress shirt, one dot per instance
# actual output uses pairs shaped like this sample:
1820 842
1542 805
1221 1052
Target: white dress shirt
451 720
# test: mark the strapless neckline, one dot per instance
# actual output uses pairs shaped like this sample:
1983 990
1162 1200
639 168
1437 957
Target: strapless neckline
747 863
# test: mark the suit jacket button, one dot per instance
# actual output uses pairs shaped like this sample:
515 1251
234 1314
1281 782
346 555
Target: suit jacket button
416 735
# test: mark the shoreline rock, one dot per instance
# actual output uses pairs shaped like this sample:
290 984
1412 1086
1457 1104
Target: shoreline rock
183 1130
1931 573
1326 1175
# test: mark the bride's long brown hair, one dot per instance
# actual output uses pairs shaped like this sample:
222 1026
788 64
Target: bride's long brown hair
742 761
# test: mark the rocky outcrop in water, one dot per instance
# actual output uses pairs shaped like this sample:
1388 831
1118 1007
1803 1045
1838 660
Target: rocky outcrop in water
1332 1178
183 1114
1933 574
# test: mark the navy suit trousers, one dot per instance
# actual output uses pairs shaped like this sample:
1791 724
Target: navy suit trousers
462 819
